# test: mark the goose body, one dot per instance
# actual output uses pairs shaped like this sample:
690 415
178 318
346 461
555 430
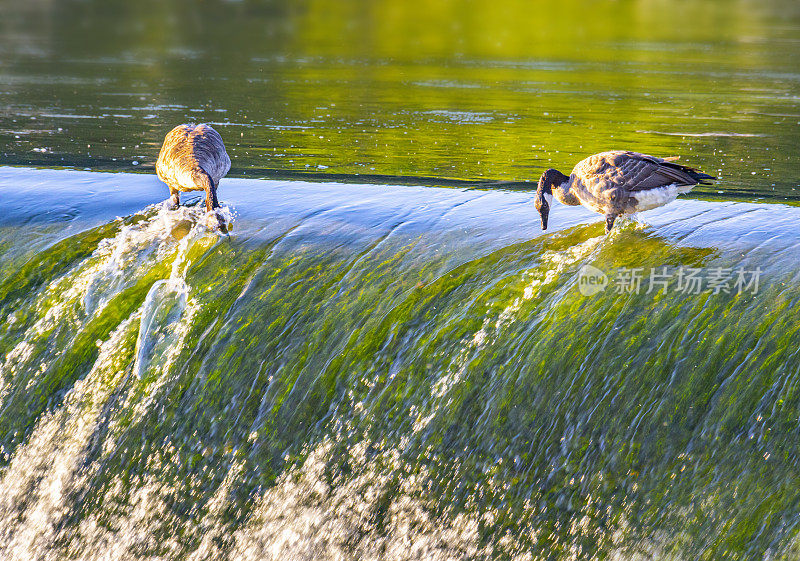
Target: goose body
617 182
193 158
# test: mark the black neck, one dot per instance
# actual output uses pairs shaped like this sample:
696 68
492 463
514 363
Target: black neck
551 178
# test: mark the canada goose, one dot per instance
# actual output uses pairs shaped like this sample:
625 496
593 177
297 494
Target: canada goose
193 158
617 182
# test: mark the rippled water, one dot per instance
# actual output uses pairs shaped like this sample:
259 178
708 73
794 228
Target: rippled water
471 91
370 368
390 372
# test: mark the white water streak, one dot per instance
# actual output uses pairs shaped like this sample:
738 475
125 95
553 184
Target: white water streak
69 302
46 472
42 474
554 264
303 517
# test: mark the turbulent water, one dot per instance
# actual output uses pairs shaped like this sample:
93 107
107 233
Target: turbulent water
367 368
378 372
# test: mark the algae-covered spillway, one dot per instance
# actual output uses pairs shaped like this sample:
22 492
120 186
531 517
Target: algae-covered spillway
373 371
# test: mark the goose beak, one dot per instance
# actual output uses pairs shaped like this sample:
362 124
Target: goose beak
544 212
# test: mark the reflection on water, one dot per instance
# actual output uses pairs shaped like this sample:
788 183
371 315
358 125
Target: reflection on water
391 373
459 90
376 372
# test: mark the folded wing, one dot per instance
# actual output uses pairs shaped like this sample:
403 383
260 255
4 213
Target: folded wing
633 171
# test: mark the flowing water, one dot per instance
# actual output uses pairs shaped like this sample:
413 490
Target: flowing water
385 357
391 372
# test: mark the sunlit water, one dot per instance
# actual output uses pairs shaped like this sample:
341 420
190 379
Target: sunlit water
403 91
364 368
378 372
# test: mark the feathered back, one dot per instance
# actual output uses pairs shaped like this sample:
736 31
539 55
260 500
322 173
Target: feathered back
190 150
633 171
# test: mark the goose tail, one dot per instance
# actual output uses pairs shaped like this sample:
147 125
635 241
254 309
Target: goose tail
696 175
701 177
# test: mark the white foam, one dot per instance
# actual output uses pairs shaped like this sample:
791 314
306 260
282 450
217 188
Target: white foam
38 481
68 303
304 517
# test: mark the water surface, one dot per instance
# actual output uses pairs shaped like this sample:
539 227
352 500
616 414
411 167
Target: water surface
397 91
390 372
369 367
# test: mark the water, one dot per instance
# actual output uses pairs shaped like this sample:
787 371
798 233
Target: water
390 372
386 358
484 92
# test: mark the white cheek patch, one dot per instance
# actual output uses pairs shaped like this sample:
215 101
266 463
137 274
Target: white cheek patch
549 198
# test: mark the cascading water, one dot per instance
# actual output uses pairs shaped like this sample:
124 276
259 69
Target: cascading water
362 375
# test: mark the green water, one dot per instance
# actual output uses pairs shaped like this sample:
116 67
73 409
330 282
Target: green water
367 368
397 90
391 372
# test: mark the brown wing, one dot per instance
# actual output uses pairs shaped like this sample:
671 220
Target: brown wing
633 171
187 150
209 150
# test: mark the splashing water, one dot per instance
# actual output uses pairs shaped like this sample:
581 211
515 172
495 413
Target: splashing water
163 309
360 374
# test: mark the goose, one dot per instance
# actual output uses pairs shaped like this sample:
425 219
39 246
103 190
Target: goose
617 182
193 158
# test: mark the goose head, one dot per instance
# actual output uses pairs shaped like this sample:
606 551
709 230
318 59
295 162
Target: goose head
550 179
